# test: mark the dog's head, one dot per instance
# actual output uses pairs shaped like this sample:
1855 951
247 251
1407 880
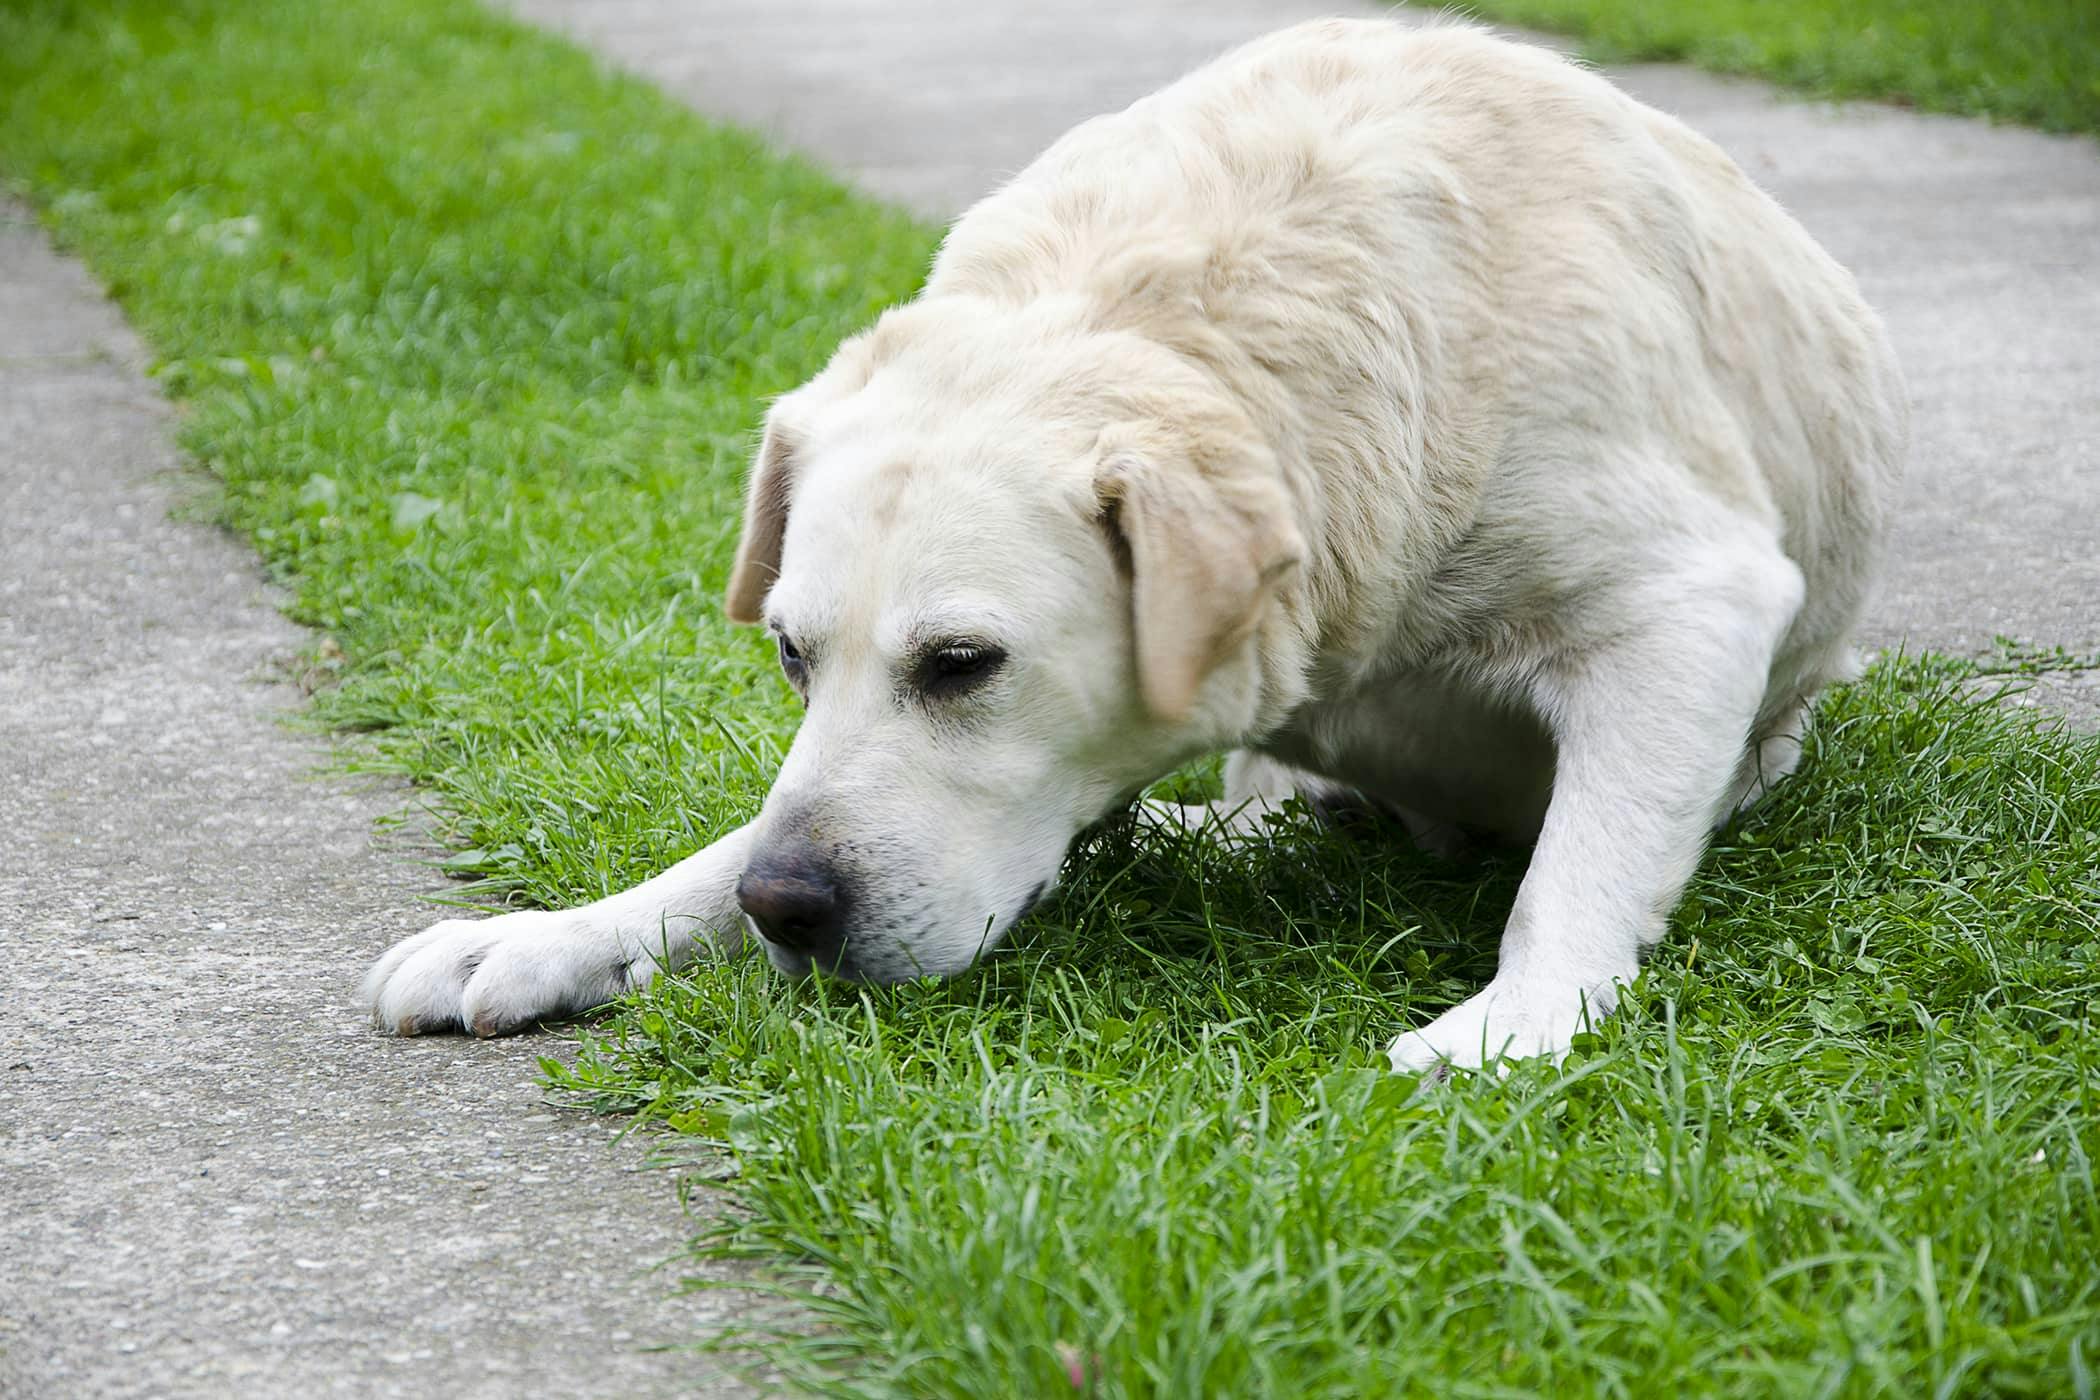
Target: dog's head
1016 570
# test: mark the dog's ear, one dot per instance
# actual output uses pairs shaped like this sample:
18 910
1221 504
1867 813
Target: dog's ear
1209 541
765 518
773 473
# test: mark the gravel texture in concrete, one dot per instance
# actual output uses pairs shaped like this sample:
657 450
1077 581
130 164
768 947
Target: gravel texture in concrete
214 1177
1980 244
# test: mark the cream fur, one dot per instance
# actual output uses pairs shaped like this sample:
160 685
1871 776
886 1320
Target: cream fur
1409 410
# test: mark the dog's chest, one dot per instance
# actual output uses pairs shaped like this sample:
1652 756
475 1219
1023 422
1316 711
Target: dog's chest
1431 743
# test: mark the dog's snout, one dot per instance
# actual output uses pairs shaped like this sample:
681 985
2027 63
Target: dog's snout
796 902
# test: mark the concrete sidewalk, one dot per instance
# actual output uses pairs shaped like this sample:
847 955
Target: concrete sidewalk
1980 244
214 1178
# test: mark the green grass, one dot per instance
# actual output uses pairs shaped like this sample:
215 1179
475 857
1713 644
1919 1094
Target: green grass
1841 1143
474 336
2032 61
475 339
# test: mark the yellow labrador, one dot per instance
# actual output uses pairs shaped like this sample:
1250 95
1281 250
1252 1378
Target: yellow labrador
1410 412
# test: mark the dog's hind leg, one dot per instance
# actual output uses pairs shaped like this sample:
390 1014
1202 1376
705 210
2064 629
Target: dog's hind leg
1773 755
1256 787
1649 720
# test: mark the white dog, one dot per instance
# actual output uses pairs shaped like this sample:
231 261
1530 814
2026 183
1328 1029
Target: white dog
1410 411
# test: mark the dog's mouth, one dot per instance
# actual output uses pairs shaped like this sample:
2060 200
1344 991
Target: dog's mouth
883 965
794 964
872 966
843 966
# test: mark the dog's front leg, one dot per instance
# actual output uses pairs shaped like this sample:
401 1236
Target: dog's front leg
1649 731
498 975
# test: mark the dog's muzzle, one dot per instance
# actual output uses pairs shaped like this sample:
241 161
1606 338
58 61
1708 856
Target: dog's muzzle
796 902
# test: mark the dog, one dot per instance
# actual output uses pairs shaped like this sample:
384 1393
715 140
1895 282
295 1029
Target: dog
1409 412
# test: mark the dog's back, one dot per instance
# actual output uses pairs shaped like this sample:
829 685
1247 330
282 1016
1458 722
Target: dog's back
1453 276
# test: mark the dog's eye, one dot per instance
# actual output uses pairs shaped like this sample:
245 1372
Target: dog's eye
951 670
791 663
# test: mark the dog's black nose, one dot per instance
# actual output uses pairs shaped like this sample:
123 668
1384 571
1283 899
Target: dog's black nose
796 904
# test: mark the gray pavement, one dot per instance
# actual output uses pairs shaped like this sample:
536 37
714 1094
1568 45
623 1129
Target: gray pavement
213 1178
1980 244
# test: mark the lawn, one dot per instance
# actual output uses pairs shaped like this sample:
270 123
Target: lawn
2032 61
473 338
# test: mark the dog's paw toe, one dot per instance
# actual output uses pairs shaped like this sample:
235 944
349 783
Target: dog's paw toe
493 976
1515 1022
414 988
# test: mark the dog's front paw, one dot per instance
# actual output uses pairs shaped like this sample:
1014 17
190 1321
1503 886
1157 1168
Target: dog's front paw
499 975
1512 1020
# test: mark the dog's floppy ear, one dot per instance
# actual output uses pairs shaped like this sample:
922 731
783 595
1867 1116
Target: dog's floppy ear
773 474
765 517
1209 541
